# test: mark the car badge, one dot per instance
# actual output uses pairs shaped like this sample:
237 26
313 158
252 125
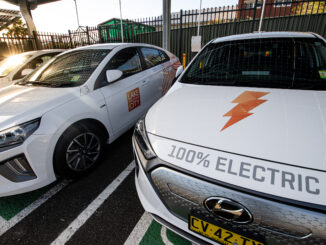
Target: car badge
228 210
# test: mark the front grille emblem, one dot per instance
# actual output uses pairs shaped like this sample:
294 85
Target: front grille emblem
228 210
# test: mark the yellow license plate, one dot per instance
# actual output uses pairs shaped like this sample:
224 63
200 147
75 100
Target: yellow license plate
219 234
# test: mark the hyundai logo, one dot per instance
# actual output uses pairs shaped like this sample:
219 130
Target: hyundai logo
228 210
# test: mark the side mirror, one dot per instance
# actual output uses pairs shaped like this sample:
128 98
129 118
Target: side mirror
113 75
179 71
26 71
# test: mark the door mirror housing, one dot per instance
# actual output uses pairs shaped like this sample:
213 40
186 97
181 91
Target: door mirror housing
26 71
113 75
179 71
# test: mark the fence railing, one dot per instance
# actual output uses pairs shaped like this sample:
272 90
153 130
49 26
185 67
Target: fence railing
279 15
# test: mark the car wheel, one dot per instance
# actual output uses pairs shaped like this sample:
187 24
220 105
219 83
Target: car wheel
78 151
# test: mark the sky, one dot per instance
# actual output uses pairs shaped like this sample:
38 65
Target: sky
61 16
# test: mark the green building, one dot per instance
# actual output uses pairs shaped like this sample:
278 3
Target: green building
110 30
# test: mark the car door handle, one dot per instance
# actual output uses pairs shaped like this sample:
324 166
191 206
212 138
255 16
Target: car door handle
145 81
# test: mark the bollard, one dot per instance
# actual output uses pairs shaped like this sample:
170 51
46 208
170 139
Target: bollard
184 60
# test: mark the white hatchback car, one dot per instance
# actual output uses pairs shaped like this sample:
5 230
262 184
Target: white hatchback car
56 120
235 152
17 66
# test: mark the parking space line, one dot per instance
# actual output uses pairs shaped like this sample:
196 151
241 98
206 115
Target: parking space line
164 237
139 230
6 225
2 221
93 206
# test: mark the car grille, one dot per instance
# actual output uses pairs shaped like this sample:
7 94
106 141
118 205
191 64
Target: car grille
277 222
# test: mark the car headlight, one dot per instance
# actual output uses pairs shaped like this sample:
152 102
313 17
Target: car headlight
142 140
18 134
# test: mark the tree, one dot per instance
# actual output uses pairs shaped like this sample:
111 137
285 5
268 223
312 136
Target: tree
302 8
17 29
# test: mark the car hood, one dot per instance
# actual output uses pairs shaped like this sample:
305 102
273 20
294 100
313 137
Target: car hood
19 104
285 126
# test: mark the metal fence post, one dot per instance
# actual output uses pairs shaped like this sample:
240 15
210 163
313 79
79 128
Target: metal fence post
53 43
71 43
254 18
132 32
166 24
180 35
100 38
37 42
87 33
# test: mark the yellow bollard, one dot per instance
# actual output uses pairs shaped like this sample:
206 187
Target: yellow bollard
184 60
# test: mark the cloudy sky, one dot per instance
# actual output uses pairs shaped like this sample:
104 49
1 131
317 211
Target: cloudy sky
61 16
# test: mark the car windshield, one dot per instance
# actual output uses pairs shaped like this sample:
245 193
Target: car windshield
68 70
298 63
11 63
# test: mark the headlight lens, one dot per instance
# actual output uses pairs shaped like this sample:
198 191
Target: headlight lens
18 134
142 140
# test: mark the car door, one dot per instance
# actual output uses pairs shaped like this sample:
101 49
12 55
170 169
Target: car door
124 97
153 86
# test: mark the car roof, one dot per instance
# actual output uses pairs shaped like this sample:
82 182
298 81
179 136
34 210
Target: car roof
255 35
114 45
43 51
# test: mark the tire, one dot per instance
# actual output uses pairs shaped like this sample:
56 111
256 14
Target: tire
78 151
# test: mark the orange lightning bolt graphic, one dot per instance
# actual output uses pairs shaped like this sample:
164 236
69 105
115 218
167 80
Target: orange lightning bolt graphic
247 101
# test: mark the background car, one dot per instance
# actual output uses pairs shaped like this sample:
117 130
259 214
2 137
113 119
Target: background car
56 121
17 66
235 152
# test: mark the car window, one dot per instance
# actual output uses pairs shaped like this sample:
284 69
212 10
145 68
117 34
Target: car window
35 63
11 63
153 57
127 61
70 69
164 56
271 62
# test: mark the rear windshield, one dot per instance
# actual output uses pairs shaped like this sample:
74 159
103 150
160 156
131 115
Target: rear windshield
298 63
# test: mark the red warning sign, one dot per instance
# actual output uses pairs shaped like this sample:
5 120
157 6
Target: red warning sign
133 97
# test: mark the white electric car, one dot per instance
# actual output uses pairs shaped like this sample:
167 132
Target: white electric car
235 152
56 120
17 66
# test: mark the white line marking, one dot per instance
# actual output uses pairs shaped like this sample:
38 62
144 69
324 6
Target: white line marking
92 207
2 221
139 230
6 225
164 237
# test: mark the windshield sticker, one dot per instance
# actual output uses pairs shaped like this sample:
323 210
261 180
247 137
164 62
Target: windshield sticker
75 78
133 98
322 74
247 101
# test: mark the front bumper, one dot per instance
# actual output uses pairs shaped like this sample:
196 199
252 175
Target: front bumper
38 152
153 205
169 195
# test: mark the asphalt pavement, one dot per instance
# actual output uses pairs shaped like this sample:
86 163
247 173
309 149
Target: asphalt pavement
101 208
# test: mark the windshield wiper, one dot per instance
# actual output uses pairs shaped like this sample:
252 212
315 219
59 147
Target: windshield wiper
46 84
34 83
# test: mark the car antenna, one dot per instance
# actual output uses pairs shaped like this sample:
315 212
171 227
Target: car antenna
261 16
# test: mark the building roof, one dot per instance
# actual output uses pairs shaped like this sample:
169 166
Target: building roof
117 21
262 35
34 3
8 17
